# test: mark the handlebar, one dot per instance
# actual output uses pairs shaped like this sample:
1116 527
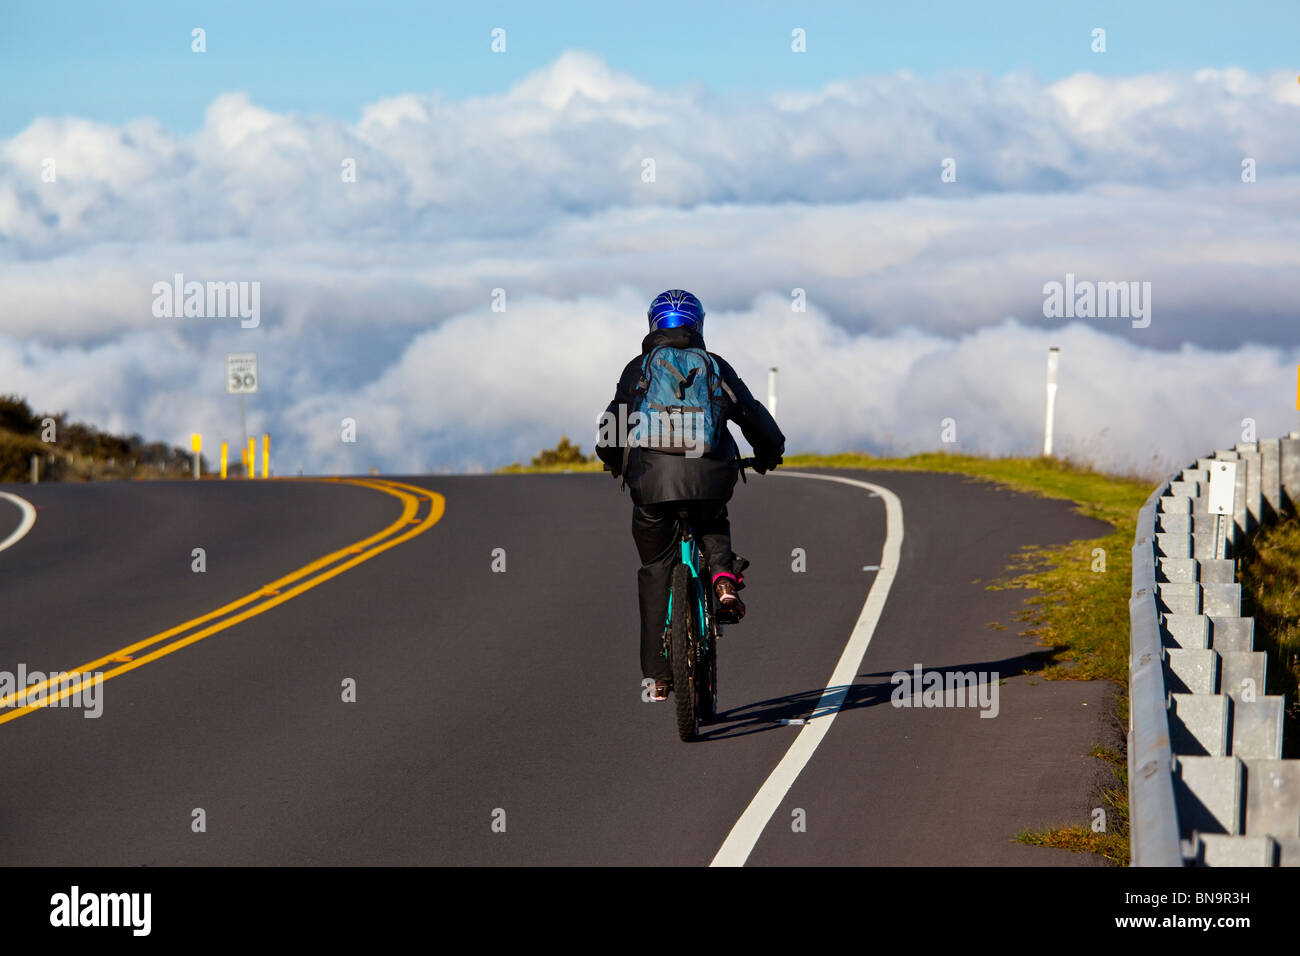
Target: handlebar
740 463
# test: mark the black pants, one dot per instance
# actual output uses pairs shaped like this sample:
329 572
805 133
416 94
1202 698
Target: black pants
654 528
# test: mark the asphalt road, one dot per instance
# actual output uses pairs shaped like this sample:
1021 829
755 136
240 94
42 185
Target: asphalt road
485 698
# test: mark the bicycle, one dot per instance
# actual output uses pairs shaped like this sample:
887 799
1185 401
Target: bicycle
691 632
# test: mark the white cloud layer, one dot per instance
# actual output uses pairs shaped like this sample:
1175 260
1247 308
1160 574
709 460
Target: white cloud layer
925 298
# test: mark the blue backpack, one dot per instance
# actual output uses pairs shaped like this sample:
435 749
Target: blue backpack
680 401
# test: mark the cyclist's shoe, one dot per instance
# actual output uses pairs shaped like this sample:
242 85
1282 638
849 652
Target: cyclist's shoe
730 607
658 689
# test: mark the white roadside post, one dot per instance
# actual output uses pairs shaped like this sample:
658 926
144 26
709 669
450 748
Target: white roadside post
1223 487
196 445
241 380
771 391
1049 429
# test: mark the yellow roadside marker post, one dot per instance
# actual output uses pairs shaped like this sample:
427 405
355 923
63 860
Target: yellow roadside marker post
196 444
266 456
251 468
223 460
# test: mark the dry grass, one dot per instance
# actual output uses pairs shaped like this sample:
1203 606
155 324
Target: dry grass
1270 588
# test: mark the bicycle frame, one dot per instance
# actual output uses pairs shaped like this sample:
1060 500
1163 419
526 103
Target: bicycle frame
691 635
691 557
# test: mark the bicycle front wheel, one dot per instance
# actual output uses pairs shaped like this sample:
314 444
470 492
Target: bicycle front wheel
682 649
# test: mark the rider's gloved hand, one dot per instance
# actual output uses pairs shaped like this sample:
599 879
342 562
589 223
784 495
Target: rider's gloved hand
764 465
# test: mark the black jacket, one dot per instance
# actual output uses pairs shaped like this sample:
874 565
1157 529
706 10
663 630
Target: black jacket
661 476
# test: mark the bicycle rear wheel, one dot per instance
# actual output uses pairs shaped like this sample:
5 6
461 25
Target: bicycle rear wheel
682 650
708 705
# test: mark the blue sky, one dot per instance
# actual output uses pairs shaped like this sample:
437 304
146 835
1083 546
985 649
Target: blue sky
117 61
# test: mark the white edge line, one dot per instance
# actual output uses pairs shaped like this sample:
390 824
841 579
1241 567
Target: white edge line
29 519
744 834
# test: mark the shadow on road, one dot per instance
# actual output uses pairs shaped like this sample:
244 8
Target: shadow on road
769 714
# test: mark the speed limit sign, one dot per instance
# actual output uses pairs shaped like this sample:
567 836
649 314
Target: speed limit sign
241 373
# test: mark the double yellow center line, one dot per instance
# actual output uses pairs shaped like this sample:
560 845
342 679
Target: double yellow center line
407 526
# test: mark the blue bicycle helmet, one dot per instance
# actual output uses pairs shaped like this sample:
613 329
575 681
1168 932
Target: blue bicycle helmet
675 308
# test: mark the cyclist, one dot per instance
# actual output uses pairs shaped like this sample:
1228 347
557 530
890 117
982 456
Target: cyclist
663 480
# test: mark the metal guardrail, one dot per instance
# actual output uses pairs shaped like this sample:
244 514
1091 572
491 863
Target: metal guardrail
1153 820
1207 782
